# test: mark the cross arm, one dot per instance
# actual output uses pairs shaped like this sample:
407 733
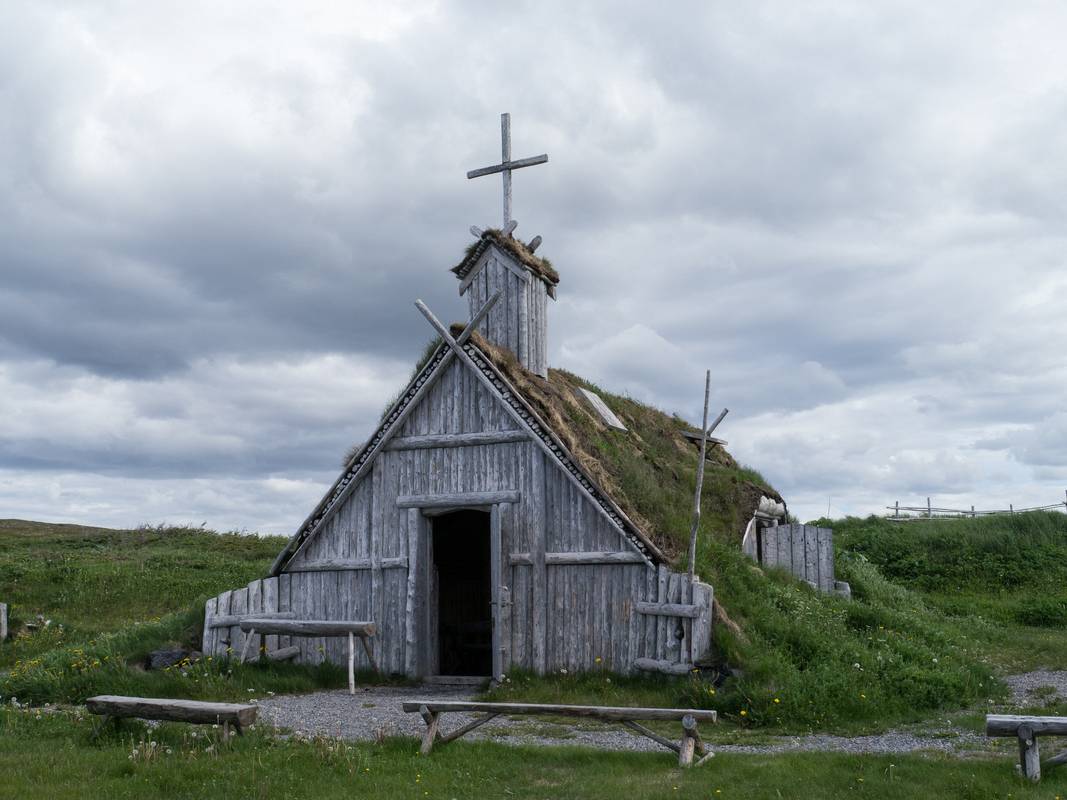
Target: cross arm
508 165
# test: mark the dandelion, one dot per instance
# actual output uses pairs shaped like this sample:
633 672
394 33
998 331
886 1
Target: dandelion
598 659
777 701
744 713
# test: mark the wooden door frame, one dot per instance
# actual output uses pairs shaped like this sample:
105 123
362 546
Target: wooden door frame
421 613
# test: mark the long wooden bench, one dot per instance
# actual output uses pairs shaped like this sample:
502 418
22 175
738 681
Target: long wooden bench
1026 730
690 743
111 707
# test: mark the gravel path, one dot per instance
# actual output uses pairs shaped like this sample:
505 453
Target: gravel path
375 712
1037 688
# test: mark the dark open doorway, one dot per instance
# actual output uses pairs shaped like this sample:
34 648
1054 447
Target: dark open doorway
461 559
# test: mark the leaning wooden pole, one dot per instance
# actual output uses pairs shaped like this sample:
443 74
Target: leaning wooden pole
700 485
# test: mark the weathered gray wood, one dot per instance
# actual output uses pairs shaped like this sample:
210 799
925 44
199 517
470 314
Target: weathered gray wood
506 167
591 558
1029 754
445 440
334 499
462 731
230 620
3 621
282 653
690 737
686 610
641 729
433 721
240 715
694 436
411 616
611 713
458 500
329 565
663 665
1009 724
501 599
399 562
309 627
538 569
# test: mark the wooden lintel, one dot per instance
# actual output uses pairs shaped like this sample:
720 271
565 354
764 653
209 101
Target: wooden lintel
456 440
330 565
458 500
620 557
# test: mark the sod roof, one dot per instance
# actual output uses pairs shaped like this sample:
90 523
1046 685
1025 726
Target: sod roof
541 267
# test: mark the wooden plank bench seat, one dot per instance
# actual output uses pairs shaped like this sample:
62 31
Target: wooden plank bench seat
111 706
1026 729
353 629
690 743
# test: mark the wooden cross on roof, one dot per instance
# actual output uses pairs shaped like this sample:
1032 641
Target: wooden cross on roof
506 165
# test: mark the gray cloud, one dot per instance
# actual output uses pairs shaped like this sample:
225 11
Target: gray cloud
213 222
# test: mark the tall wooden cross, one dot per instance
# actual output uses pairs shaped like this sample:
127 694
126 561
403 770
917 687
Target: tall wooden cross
506 165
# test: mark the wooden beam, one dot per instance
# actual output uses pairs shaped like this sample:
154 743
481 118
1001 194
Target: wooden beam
3 621
612 713
470 726
664 666
229 620
641 729
694 436
620 557
458 500
668 609
443 440
330 565
309 627
508 165
1009 724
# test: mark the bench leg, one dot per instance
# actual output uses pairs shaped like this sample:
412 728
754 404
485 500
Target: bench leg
351 663
98 728
370 655
1029 754
433 721
225 731
690 738
248 642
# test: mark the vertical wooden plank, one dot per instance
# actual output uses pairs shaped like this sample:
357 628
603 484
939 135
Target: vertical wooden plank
785 546
811 558
770 545
411 616
826 559
538 575
270 606
207 642
238 607
284 604
222 635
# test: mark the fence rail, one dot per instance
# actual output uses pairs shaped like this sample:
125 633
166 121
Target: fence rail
929 511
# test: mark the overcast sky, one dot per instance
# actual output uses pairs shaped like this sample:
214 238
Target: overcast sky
215 218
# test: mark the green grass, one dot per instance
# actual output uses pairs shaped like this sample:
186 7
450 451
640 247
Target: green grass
54 757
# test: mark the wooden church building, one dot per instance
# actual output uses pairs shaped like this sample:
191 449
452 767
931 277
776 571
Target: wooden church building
467 528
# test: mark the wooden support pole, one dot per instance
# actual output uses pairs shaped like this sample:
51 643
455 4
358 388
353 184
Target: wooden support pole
432 720
1029 755
929 511
3 621
352 662
464 730
641 729
690 737
370 655
896 509
248 641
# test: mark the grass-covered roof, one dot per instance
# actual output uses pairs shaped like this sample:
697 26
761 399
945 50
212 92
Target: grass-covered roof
541 267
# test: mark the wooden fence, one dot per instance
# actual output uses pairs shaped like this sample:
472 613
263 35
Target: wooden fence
805 550
929 511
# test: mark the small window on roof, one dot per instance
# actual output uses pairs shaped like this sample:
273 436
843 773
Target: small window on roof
602 409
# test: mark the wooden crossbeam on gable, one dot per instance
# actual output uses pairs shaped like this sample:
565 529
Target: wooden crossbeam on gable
606 414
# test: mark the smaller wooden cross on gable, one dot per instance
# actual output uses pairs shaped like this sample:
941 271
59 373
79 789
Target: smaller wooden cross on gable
506 165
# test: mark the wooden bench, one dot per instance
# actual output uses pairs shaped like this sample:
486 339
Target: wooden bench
1026 730
431 712
315 627
111 706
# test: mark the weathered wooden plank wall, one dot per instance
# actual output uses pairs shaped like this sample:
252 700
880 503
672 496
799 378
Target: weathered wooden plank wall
574 580
806 551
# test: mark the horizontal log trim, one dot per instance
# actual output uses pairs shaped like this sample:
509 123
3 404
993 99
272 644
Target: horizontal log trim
666 667
1009 724
330 565
308 627
621 557
615 713
197 711
459 500
669 610
456 440
229 620
694 436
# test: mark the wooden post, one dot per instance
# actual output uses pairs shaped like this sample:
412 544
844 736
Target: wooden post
248 641
689 741
226 730
700 483
1029 756
3 621
973 515
351 663
370 655
929 512
896 509
1011 509
432 720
